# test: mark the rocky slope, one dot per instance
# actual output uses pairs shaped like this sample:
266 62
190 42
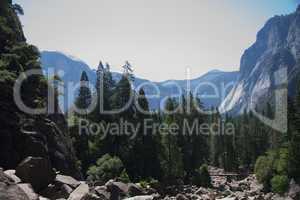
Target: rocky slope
73 67
34 179
277 47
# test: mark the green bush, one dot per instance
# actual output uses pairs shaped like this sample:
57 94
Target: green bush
281 163
107 168
280 184
264 169
201 177
272 170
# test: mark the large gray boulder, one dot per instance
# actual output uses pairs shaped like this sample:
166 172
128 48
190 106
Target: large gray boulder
36 171
9 190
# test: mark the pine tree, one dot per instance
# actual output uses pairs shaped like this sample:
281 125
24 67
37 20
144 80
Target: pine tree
84 98
81 137
122 100
104 86
144 154
172 163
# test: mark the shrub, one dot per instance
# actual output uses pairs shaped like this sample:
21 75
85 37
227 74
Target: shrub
107 168
272 170
280 184
201 177
281 164
264 169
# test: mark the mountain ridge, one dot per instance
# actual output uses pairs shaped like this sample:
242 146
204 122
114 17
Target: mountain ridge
73 68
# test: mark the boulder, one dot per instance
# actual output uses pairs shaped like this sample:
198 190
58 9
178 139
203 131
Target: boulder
45 137
150 191
9 190
116 189
28 190
12 174
205 197
269 196
80 192
145 197
92 196
134 190
201 191
36 171
68 180
228 198
235 187
56 191
102 192
294 190
118 186
181 197
43 198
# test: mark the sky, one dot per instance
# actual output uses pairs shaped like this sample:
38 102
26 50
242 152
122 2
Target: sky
160 38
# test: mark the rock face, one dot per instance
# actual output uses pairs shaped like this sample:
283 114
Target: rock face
277 47
36 171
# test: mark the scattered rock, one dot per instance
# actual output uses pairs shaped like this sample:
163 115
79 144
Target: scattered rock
80 192
36 171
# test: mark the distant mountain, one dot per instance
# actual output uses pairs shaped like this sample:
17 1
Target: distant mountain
277 47
212 87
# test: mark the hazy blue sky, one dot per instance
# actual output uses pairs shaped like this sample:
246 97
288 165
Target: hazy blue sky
160 38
